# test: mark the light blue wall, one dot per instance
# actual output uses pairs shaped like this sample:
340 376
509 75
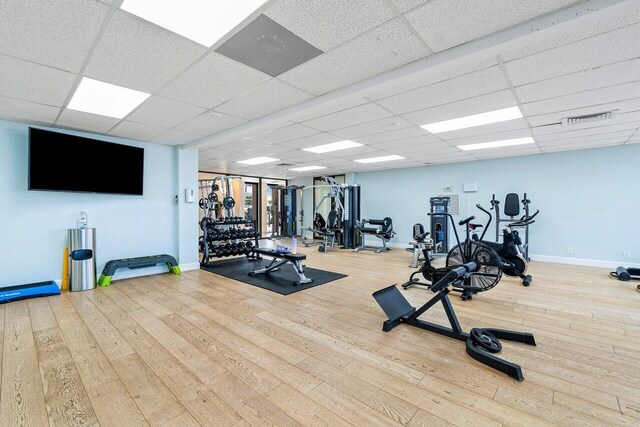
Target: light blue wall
34 224
589 200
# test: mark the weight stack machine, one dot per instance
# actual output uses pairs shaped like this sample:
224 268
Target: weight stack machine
351 217
439 225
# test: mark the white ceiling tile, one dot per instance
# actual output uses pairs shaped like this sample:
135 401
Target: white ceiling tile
386 47
590 53
329 23
323 111
394 135
604 138
434 75
608 75
287 133
175 137
581 145
373 127
85 121
485 129
27 112
405 5
583 99
208 124
363 152
312 140
33 82
409 144
498 136
164 112
467 86
213 81
245 146
266 98
353 116
215 153
447 23
54 33
403 148
133 130
556 117
139 55
580 33
490 154
466 107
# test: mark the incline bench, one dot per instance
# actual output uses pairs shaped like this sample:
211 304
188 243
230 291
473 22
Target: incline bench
280 259
140 262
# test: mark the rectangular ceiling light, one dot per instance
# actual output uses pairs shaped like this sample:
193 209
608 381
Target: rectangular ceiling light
380 159
105 99
258 161
203 21
308 168
496 116
334 146
497 144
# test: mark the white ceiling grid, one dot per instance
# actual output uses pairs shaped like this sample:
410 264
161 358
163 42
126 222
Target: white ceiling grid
197 92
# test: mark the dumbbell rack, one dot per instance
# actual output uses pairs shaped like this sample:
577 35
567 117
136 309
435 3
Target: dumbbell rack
226 233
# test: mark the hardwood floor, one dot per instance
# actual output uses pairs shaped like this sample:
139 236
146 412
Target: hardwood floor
201 349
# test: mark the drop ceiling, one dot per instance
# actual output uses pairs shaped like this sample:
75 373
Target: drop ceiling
206 100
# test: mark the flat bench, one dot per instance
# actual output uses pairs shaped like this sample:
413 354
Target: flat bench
133 263
280 259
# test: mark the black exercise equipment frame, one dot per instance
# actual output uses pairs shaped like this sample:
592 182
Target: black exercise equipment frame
480 342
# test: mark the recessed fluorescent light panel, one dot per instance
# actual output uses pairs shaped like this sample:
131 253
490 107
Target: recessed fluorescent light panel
497 144
258 161
105 99
334 146
308 168
379 159
496 116
203 21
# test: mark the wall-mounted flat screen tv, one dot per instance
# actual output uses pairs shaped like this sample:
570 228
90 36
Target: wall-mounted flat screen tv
63 162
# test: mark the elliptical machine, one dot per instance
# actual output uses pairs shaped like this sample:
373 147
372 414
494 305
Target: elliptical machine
510 250
487 271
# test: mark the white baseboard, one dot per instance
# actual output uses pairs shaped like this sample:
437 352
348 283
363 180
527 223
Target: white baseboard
583 261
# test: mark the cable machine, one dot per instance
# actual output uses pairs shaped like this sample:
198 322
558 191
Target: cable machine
512 209
339 227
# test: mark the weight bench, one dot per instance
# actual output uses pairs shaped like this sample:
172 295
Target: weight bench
383 231
280 259
134 263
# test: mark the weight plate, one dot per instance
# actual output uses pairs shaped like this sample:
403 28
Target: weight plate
203 203
213 197
215 187
228 202
485 340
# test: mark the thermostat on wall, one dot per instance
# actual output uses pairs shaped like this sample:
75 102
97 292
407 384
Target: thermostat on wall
470 187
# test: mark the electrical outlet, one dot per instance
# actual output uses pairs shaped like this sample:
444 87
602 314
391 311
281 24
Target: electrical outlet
570 249
626 254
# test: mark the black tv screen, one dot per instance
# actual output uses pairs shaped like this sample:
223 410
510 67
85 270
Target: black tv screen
63 162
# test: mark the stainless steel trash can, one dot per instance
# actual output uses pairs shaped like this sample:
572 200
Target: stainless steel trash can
82 259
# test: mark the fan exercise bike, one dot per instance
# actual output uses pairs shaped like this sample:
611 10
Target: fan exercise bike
488 264
511 252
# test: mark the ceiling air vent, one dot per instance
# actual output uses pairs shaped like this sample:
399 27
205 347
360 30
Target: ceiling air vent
268 47
588 118
284 164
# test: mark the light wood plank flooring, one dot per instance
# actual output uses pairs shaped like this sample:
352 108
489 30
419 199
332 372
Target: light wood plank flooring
200 349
